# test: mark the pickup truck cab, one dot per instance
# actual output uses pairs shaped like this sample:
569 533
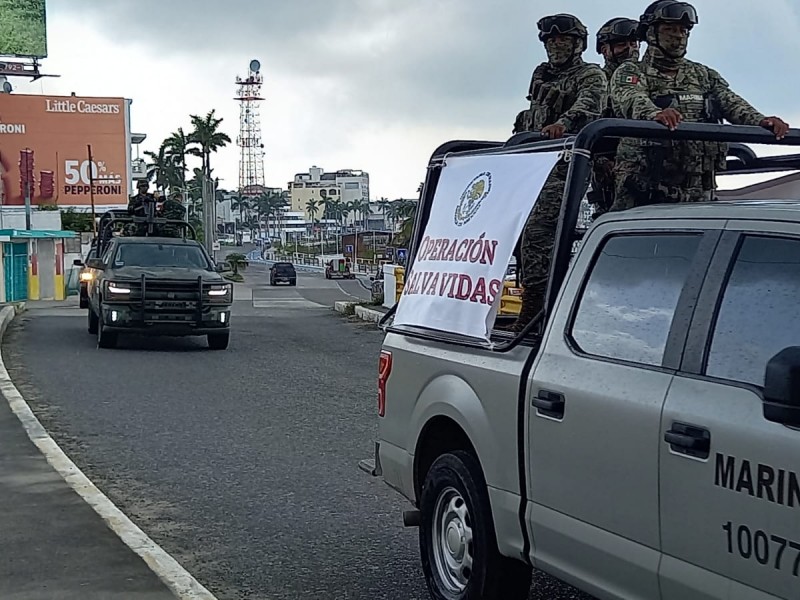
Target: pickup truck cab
642 440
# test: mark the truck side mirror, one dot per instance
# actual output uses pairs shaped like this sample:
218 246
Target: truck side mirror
782 387
77 262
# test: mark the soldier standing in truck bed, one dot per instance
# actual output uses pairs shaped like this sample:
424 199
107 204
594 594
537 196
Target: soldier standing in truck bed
667 87
616 42
565 93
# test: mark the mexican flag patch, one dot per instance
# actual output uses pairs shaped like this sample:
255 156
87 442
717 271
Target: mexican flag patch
632 79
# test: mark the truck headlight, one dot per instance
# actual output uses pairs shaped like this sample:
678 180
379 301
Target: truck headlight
219 290
86 276
118 288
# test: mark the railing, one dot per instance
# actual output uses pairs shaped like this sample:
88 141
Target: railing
363 266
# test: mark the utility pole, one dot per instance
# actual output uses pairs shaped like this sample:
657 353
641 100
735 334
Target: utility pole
91 187
209 215
26 170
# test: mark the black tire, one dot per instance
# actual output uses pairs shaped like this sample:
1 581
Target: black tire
84 302
93 321
293 282
219 341
105 339
272 282
457 476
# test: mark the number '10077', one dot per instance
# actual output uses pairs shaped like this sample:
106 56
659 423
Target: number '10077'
76 172
766 549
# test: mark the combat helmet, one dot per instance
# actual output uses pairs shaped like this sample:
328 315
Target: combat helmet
618 29
666 11
562 24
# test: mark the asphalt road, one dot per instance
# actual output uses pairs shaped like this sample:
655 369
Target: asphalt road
242 464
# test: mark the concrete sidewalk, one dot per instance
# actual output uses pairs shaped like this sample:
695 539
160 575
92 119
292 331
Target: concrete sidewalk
52 544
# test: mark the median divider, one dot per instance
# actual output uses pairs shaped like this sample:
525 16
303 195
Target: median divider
362 312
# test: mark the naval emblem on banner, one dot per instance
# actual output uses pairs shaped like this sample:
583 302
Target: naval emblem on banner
478 213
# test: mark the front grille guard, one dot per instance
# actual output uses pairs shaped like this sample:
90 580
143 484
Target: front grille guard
143 297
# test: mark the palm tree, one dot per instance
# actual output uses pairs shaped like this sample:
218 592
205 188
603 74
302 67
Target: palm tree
241 203
161 169
177 147
312 207
207 136
383 205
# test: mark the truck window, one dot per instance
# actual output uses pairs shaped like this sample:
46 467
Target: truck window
759 314
626 309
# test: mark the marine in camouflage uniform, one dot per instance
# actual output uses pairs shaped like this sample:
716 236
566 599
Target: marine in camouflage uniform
616 42
137 207
172 209
565 93
668 88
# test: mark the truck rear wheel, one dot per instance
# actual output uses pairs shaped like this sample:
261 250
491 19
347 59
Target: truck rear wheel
458 544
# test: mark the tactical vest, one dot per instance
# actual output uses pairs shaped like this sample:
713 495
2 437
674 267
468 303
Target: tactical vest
551 94
698 161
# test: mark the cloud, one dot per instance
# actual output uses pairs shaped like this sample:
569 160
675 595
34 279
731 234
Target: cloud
367 84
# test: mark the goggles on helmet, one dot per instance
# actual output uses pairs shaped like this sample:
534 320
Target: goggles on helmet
675 11
618 30
557 24
621 29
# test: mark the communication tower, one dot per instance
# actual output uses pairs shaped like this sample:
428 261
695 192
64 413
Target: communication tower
251 158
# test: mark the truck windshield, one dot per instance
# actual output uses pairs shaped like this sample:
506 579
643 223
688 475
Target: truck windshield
160 255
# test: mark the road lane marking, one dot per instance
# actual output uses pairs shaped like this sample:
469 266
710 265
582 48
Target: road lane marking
177 579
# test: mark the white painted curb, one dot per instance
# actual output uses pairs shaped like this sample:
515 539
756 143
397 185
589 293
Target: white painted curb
362 312
176 578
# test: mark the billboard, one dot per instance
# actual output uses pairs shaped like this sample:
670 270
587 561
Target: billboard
44 139
23 28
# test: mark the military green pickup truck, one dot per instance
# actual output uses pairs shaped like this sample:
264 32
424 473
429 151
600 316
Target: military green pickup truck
147 284
641 439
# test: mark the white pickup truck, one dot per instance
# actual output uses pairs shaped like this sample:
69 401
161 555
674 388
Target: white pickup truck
642 440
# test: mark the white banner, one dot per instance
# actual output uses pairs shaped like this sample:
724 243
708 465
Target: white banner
478 213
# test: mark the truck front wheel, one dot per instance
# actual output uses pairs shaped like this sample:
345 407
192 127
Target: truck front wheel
458 544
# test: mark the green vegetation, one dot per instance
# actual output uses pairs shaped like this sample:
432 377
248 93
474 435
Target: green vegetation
168 167
237 261
23 31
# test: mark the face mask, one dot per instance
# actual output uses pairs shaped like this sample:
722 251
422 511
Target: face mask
559 52
667 48
673 44
630 53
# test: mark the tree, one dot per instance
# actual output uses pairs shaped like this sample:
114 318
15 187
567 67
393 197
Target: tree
312 207
71 220
177 147
208 138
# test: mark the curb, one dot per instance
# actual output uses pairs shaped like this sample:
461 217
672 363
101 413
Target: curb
169 571
362 312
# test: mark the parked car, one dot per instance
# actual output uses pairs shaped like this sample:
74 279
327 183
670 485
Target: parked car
86 276
282 271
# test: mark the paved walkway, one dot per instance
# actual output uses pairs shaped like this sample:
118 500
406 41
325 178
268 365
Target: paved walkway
53 545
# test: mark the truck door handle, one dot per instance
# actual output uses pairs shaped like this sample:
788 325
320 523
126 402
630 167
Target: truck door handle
689 439
550 404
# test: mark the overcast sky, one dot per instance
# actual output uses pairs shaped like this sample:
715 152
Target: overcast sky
369 84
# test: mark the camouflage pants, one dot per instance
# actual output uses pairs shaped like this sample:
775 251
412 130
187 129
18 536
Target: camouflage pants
634 188
538 237
602 195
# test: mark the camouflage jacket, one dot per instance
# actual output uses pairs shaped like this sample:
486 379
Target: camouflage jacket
640 91
173 210
571 97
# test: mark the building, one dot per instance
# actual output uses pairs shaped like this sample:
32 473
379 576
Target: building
345 186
